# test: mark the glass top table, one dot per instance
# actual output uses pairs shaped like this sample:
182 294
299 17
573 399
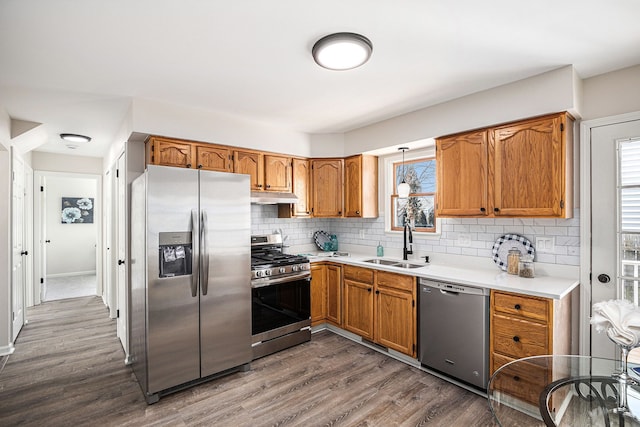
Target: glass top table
565 391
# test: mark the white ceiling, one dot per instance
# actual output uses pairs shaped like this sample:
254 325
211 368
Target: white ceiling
75 65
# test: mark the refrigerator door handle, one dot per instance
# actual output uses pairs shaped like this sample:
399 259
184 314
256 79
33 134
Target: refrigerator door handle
194 259
204 254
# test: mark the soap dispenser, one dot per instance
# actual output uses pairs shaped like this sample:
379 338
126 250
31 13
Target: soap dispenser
379 250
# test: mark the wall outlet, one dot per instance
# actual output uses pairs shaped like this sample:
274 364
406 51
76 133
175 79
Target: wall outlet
464 240
361 233
545 244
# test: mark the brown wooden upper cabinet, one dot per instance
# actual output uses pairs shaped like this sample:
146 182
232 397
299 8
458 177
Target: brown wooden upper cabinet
361 186
521 169
268 172
277 173
301 187
326 178
170 152
213 157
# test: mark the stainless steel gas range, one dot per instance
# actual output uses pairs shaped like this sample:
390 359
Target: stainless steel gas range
281 296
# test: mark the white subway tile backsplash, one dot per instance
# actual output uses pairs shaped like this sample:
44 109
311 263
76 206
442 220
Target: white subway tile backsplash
482 233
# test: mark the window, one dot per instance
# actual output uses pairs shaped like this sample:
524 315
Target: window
419 208
629 214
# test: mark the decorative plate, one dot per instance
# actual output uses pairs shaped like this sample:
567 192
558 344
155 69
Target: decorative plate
321 237
505 243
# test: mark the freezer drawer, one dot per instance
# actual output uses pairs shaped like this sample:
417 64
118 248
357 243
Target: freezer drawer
454 330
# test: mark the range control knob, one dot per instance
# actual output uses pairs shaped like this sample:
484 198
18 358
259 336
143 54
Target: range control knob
294 268
259 273
267 272
303 266
282 270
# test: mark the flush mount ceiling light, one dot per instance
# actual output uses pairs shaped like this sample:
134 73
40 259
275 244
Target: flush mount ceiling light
342 51
403 188
74 137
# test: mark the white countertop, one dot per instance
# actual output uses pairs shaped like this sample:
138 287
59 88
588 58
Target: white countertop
492 278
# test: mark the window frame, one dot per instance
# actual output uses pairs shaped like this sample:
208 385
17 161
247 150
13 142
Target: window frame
425 152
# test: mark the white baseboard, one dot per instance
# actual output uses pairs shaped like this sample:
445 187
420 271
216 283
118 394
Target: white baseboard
7 350
75 273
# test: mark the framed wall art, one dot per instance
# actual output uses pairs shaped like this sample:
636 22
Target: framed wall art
77 210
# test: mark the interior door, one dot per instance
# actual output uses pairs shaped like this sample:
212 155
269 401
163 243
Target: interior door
615 244
17 245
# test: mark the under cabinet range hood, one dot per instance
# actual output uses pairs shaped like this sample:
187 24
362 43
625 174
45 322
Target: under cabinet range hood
268 198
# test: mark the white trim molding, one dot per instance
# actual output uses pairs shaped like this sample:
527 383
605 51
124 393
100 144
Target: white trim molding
585 220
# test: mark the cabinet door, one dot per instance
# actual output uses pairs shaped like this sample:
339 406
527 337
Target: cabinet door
358 308
213 158
250 163
318 293
277 173
301 187
334 294
327 187
361 186
529 171
395 320
462 172
166 152
353 186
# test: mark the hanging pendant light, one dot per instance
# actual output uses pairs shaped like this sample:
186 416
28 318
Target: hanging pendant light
403 188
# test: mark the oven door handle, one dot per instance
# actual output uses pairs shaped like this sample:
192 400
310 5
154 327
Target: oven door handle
302 276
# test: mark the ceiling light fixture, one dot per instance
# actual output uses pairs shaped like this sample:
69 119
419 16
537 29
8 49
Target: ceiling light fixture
73 137
342 51
403 188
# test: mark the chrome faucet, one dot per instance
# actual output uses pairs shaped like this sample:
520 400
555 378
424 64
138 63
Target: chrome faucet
409 251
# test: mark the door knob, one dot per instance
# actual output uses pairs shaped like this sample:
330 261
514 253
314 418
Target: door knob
24 253
47 241
604 278
120 261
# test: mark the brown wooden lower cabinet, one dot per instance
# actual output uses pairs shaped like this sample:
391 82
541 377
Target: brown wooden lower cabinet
523 326
326 293
381 307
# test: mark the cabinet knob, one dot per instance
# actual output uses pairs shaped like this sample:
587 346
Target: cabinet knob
368 289
339 212
357 212
517 307
483 210
516 378
377 292
516 338
268 186
188 165
199 166
496 209
259 185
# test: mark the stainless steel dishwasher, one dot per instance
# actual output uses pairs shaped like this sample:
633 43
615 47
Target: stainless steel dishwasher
454 330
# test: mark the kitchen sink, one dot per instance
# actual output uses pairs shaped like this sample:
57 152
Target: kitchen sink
382 261
407 265
392 263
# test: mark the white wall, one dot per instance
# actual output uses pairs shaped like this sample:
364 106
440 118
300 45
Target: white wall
73 246
158 118
52 162
542 94
613 93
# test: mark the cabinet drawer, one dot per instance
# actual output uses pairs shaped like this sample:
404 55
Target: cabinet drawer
358 274
532 308
524 382
397 281
518 338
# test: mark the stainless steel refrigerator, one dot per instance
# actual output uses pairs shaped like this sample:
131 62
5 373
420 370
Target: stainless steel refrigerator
190 277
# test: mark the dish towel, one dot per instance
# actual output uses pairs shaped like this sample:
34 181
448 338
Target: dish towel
620 319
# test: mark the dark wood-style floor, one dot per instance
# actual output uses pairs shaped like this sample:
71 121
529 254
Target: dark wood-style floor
68 370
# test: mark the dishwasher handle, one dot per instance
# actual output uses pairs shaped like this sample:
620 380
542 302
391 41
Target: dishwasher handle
453 288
